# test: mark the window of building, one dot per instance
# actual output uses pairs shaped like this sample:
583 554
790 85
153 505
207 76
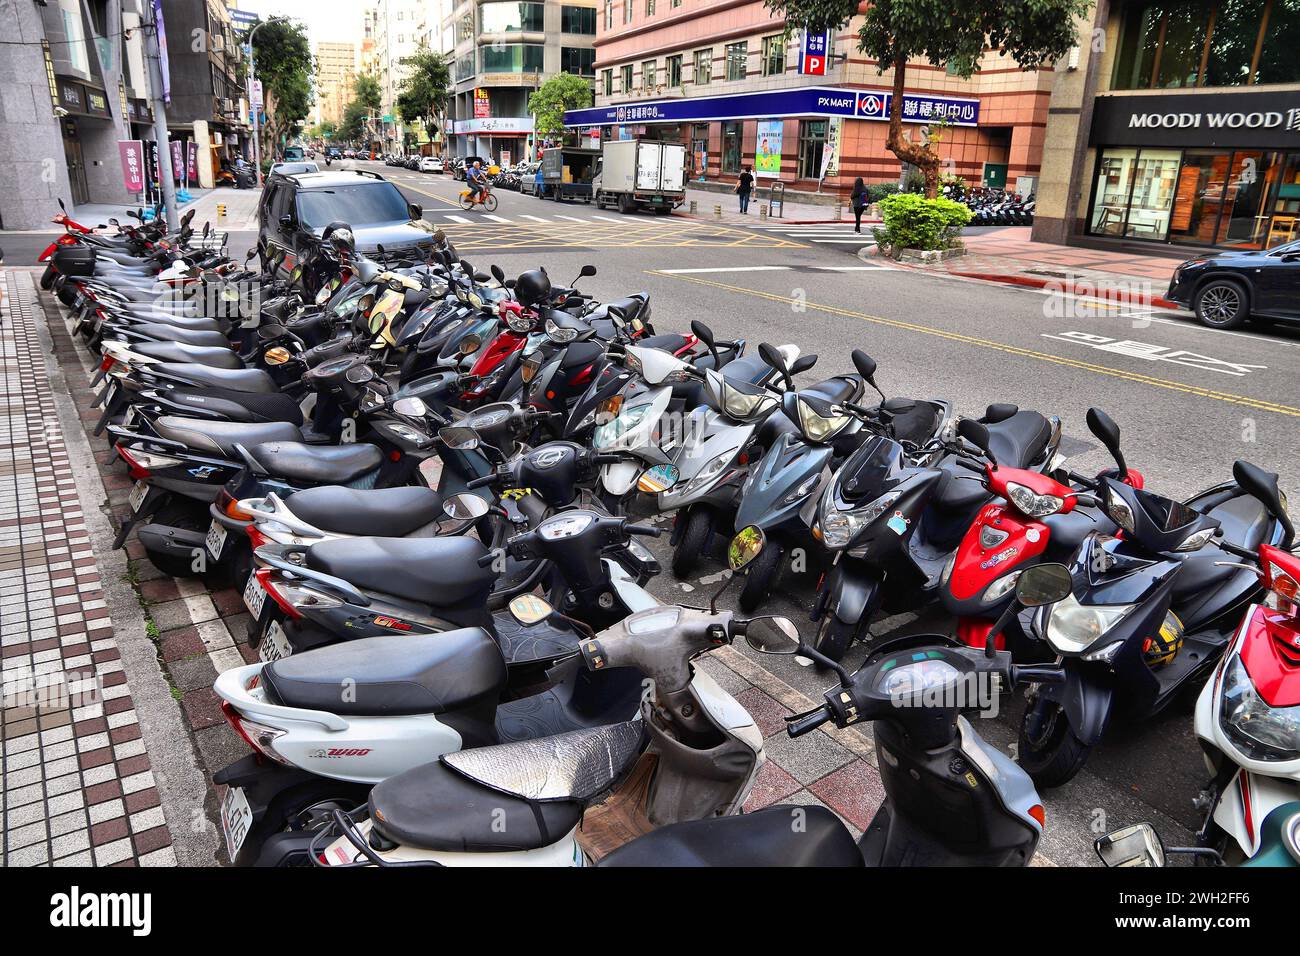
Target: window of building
649 8
737 60
703 67
627 77
675 4
511 17
465 28
580 61
648 74
731 147
627 11
673 67
607 82
512 58
609 14
1166 44
464 67
774 55
812 145
581 20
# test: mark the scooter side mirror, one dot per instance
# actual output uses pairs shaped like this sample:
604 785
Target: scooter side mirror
772 356
466 267
1043 584
1262 485
1107 432
745 547
529 609
458 438
977 434
587 270
499 274
772 635
702 332
802 364
465 506
865 364
1138 845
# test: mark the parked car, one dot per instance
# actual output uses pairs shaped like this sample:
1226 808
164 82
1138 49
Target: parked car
458 171
530 180
1227 287
294 154
349 154
294 168
295 210
430 164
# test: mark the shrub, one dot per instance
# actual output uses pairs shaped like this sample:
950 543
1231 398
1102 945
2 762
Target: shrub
878 191
913 222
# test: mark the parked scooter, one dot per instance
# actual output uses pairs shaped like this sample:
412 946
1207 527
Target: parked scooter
1151 611
950 798
1140 845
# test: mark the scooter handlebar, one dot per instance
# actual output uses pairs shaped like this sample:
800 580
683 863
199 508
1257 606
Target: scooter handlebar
484 481
801 724
643 529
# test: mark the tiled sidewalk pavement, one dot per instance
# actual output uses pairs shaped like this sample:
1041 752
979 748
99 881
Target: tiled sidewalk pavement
78 786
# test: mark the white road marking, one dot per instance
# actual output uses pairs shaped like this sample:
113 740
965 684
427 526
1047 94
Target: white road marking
850 268
535 218
859 240
730 269
570 218
495 218
607 219
457 218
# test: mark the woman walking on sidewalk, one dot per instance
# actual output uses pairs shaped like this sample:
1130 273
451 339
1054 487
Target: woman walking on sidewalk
859 200
744 186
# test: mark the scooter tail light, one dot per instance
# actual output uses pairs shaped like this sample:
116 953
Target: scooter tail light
1039 814
267 578
259 737
230 507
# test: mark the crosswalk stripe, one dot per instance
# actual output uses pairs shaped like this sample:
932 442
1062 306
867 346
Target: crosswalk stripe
535 218
859 240
495 218
607 219
570 218
457 218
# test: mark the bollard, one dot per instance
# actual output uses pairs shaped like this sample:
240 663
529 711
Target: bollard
762 210
839 211
221 214
695 207
717 212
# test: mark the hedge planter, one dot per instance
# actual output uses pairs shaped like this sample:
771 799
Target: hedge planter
924 257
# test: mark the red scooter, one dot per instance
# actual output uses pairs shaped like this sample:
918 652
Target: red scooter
1038 519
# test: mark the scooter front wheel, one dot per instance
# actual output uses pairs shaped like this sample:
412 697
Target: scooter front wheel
760 576
695 536
834 637
1049 750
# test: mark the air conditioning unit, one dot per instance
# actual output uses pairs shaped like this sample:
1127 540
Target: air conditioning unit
216 43
227 105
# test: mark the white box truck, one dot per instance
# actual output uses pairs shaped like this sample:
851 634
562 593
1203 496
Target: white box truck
641 173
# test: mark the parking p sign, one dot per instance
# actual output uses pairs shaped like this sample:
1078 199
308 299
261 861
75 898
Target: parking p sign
815 53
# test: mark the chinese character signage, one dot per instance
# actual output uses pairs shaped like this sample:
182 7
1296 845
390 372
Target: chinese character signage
482 104
807 101
815 53
132 153
767 154
164 65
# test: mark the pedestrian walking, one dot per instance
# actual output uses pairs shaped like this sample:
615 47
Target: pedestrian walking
745 186
859 200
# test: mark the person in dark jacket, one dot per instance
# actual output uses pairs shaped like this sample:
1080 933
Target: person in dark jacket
859 200
745 186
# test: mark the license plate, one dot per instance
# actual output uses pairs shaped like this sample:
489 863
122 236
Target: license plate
254 596
111 393
137 495
216 539
129 417
275 644
236 819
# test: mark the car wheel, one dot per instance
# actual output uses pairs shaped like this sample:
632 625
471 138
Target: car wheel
1222 304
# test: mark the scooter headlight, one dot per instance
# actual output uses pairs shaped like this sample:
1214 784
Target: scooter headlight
705 477
1072 627
559 334
1121 514
613 432
518 322
1034 505
1001 587
743 406
839 528
819 428
1260 731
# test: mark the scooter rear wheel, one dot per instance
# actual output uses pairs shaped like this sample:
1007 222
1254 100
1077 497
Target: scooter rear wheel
761 574
834 637
1049 751
686 557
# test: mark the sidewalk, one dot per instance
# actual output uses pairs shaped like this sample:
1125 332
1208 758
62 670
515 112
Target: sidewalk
1008 255
241 211
86 719
794 211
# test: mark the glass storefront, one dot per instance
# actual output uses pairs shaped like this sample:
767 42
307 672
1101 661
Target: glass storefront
1244 199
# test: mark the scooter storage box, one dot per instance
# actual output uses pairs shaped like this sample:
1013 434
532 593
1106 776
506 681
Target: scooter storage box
76 261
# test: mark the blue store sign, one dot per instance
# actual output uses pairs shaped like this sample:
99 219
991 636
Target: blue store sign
805 101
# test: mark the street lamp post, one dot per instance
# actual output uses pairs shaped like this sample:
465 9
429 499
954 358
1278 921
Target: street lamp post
252 70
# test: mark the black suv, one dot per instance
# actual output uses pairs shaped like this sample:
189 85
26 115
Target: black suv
295 210
1227 287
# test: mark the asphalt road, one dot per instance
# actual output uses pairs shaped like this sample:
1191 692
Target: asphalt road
1189 401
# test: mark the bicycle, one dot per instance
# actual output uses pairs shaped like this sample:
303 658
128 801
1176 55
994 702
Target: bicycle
487 201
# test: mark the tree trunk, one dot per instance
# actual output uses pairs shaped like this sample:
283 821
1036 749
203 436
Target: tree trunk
922 156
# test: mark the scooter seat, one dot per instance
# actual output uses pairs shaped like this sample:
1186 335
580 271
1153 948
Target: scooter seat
840 388
213 357
160 332
749 368
219 438
392 676
386 512
516 796
667 342
233 379
317 464
1018 440
765 838
430 571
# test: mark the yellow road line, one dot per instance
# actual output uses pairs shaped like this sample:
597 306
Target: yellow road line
645 235
423 192
1228 397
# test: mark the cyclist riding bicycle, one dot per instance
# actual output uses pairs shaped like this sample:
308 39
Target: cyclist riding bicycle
478 181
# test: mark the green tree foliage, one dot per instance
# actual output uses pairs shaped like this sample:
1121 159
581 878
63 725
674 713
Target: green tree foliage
912 221
366 101
548 103
423 94
285 67
1033 33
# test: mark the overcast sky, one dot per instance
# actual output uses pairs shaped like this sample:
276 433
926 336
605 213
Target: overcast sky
328 20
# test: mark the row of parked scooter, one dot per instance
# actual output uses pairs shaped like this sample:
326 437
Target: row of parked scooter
994 207
430 483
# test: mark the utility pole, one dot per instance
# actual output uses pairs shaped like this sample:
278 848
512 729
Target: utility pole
257 118
153 53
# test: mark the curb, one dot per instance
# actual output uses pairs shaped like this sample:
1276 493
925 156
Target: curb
1033 282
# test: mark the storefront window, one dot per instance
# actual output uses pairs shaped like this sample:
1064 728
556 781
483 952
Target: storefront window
1114 183
1155 175
1199 197
812 144
1244 222
1286 205
700 150
512 58
510 17
731 147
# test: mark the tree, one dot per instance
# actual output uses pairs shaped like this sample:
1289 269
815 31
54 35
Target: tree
366 101
423 94
1034 33
285 67
548 103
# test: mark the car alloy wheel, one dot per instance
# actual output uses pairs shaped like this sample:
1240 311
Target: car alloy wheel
1220 304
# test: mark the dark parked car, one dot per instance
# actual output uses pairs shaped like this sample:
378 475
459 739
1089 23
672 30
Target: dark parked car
296 209
1226 287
